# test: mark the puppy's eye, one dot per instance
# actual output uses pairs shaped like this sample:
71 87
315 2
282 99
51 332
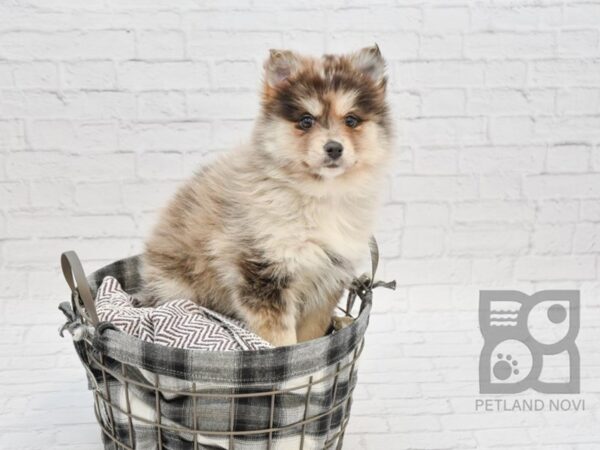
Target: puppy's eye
351 121
306 121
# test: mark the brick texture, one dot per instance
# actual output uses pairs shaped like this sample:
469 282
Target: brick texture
105 106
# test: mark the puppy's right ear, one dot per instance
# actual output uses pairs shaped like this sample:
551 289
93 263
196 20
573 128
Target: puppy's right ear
280 66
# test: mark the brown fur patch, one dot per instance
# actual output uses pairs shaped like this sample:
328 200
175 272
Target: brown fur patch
264 282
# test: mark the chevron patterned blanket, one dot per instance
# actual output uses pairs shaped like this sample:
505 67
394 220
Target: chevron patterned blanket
178 323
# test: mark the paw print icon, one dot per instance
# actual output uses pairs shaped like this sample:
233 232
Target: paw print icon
529 342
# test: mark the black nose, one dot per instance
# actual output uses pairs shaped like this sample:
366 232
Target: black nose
333 149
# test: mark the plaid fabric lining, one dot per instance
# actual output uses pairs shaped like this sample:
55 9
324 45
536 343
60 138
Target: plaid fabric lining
312 382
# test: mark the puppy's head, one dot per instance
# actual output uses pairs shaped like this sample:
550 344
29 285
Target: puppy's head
325 118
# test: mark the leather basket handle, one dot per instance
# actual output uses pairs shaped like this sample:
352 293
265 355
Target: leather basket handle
77 281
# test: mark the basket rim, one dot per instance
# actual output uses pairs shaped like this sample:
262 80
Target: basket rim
279 363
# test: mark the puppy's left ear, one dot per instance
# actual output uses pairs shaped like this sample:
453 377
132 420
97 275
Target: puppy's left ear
369 61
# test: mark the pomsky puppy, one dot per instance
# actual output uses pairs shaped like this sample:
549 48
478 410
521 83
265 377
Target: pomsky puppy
270 233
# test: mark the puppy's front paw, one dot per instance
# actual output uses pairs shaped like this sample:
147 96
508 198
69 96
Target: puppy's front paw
270 323
279 338
340 322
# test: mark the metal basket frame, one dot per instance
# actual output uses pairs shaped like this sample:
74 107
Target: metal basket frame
104 399
84 313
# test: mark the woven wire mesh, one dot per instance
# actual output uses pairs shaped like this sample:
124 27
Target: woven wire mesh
107 373
105 407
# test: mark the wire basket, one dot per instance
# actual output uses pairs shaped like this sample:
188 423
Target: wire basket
147 396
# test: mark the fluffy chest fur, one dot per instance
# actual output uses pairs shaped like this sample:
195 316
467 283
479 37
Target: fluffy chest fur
307 233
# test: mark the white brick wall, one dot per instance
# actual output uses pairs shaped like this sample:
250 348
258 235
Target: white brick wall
106 105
